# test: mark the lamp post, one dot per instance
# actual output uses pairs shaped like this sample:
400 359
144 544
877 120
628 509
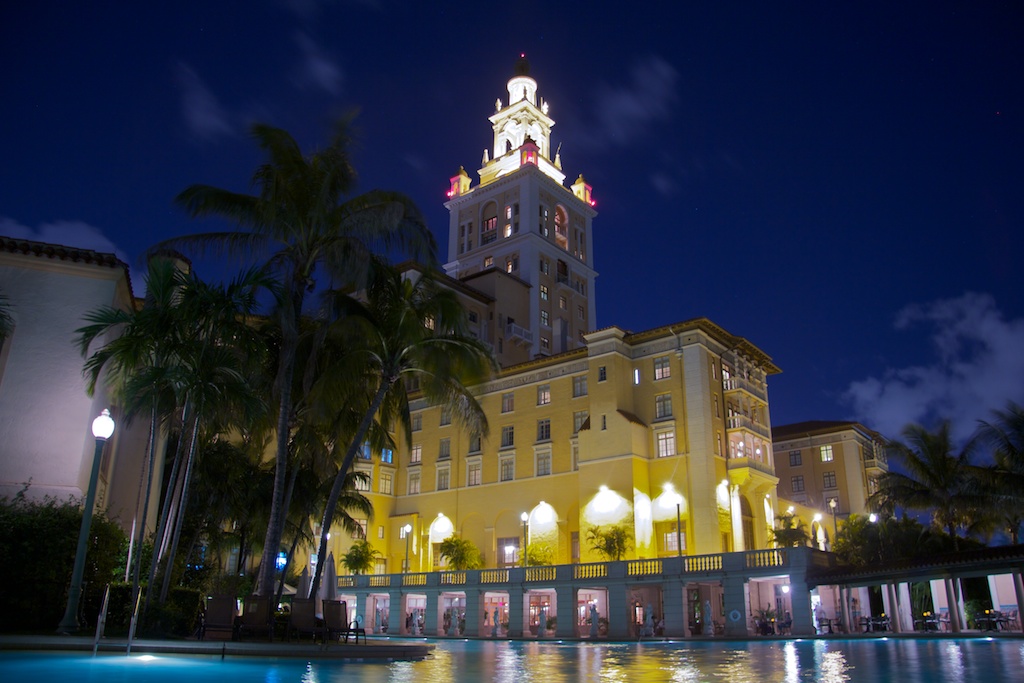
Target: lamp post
526 543
835 525
102 428
406 531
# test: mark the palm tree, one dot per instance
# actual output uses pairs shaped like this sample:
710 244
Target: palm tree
1004 482
461 553
938 478
299 221
140 360
790 531
408 331
611 542
360 558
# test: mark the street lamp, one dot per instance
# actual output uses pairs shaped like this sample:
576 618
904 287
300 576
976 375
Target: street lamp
407 531
835 525
526 543
102 428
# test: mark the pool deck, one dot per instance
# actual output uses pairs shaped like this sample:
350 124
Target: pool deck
373 650
400 648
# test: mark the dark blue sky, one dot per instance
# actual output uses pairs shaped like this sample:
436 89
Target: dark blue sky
841 183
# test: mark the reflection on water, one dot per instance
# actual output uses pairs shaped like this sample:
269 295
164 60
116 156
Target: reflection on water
796 661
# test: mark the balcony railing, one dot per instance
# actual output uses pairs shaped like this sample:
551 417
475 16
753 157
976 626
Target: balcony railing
740 384
744 422
514 332
736 463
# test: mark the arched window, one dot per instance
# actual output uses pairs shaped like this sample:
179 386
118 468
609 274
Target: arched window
561 228
489 224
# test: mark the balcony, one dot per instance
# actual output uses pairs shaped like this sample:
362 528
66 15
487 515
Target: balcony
518 334
744 422
740 384
763 467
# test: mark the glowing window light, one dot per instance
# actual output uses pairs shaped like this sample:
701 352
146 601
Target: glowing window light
441 528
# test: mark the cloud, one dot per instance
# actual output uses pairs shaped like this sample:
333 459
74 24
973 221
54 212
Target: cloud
75 234
625 112
203 114
316 69
977 365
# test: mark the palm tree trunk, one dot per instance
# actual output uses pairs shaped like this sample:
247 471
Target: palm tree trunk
286 372
141 532
166 511
287 504
339 481
182 506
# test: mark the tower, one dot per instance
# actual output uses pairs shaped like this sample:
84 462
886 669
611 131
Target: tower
521 236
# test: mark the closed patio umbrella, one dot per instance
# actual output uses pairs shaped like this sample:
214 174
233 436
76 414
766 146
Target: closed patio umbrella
303 590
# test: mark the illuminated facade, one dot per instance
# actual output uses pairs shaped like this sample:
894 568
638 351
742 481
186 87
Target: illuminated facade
820 461
45 413
665 433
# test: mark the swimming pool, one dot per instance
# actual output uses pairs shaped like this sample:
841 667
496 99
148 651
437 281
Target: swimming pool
831 661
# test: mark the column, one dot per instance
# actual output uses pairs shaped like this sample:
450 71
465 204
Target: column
844 598
800 595
516 617
401 614
431 615
954 606
618 612
736 617
672 596
893 609
906 607
565 610
1018 591
474 613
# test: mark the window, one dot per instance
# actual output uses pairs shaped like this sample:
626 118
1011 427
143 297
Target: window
797 483
795 459
663 406
474 443
604 422
717 412
826 453
636 375
508 469
446 416
508 551
511 264
365 453
508 436
443 478
488 261
579 386
364 482
545 266
417 422
414 483
544 293
543 430
672 540
444 449
545 319
543 394
662 369
563 304
508 403
580 312
362 528
545 343
473 474
666 444
829 479
387 456
385 483
718 443
416 455
578 418
544 464
602 373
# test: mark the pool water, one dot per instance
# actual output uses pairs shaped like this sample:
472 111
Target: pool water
830 661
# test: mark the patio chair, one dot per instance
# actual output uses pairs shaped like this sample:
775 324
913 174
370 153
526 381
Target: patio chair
302 619
256 618
337 624
220 615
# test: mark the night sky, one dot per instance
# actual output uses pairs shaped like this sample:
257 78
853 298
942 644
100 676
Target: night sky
840 183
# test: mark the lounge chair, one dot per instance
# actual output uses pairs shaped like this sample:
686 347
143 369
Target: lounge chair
337 624
302 619
219 618
256 618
